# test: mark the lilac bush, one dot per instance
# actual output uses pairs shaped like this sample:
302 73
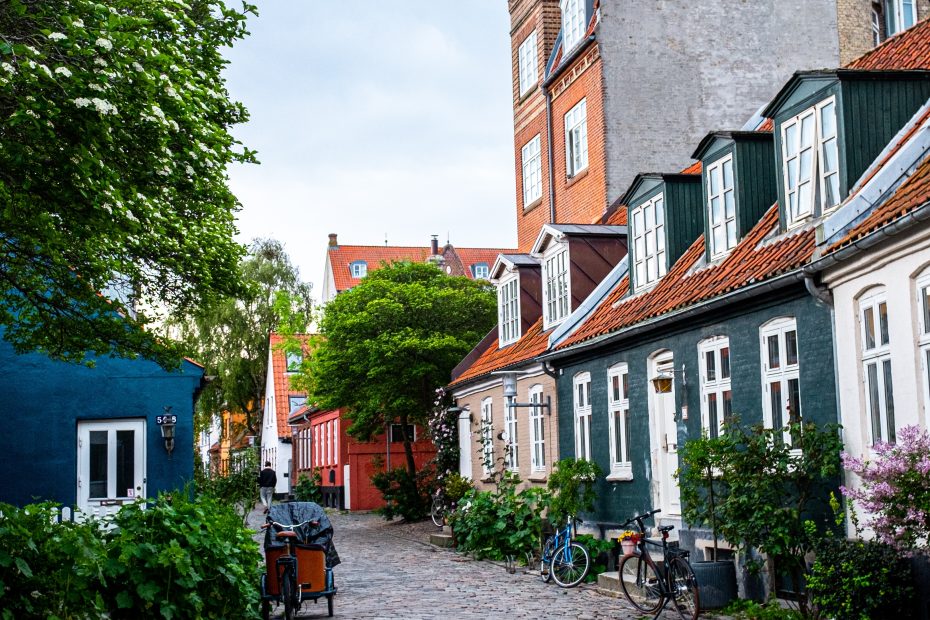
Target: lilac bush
895 489
443 429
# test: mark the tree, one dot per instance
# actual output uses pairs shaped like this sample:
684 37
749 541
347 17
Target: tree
230 337
391 341
114 142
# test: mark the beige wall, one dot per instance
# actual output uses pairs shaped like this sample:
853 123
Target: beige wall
471 398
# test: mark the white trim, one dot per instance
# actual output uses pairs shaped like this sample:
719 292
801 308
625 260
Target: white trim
716 393
780 362
581 400
95 505
527 64
573 23
511 437
922 313
537 422
647 226
531 165
721 201
508 310
899 15
576 138
875 359
618 422
486 430
556 284
810 188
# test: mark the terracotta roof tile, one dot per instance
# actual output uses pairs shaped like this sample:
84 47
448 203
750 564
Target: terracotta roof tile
472 256
751 261
282 387
766 125
694 168
616 218
534 342
342 256
906 50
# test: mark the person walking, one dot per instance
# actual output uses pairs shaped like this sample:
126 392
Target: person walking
267 480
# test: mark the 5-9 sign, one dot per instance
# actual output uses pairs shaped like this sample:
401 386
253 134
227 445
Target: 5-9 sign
166 419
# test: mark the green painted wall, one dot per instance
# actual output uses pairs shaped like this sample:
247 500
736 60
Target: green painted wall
684 200
756 183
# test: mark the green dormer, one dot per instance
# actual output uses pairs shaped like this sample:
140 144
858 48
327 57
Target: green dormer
829 126
664 220
738 186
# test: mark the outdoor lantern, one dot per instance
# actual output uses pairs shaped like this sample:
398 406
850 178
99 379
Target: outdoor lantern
510 385
167 423
662 384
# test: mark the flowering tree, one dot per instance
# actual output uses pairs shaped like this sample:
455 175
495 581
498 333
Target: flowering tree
114 140
443 430
895 489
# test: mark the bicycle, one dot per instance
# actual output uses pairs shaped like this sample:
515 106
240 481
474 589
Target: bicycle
300 571
650 587
440 508
564 560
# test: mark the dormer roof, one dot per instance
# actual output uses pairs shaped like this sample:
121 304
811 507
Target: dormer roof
717 140
557 232
510 262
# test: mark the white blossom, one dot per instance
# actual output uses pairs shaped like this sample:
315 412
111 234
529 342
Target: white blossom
103 106
157 112
47 71
189 170
77 23
104 44
8 67
96 87
57 36
63 71
82 102
137 67
32 113
100 62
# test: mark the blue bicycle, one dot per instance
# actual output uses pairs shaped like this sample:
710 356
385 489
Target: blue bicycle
563 560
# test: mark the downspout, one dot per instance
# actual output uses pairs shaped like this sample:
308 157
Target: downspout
551 166
818 292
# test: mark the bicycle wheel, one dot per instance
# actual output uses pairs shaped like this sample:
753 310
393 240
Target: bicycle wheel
639 582
545 560
287 593
437 512
570 565
684 587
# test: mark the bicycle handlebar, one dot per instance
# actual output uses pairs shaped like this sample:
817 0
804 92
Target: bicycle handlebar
285 526
638 519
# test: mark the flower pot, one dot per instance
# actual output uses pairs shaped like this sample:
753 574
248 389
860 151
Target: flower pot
628 546
717 583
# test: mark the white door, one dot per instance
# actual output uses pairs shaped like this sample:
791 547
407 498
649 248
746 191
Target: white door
111 464
665 438
465 447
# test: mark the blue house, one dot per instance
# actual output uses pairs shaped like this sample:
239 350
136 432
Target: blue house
92 437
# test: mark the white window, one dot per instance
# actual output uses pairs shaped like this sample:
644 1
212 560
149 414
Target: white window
528 63
480 271
111 462
295 402
293 361
876 365
781 393
721 207
648 242
556 298
716 396
537 430
510 436
582 386
508 310
576 139
532 171
899 15
618 410
923 336
573 23
487 437
810 161
359 269
876 27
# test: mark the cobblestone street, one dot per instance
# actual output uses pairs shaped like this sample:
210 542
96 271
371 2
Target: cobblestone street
389 571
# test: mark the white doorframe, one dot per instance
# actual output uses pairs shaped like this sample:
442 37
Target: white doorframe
118 472
465 446
664 438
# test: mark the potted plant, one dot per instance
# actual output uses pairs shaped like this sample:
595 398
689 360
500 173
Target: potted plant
628 540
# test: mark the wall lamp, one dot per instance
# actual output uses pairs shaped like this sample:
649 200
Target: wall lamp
662 382
167 423
509 381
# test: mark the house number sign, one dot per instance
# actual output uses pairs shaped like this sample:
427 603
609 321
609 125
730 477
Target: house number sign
166 419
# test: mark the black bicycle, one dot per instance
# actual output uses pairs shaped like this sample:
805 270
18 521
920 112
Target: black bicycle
650 587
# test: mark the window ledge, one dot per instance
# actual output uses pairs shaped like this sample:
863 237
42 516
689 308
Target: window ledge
529 92
621 475
576 177
532 205
539 476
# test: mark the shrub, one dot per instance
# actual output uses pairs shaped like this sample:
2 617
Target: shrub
237 488
456 487
179 558
860 580
571 484
405 495
600 551
703 489
308 488
750 610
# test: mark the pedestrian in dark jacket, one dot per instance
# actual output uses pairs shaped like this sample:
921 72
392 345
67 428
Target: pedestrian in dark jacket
267 480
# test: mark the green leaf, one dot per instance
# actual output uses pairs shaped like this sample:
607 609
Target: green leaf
124 600
23 567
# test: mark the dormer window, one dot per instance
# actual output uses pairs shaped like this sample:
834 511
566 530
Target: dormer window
527 63
359 269
480 271
576 139
556 296
508 311
721 207
810 162
293 361
648 221
573 23
899 15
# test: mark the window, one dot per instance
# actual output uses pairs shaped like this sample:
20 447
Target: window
556 300
876 365
618 403
537 430
648 242
508 311
480 271
716 396
899 15
876 27
923 337
721 207
293 360
576 139
582 387
397 433
810 161
510 442
486 434
573 24
528 63
359 269
532 171
295 403
781 395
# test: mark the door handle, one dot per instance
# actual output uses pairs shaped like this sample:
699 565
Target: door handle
665 441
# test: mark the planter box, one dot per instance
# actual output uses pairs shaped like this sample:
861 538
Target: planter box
717 583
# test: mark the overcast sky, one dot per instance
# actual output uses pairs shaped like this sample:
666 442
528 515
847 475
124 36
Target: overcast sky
374 118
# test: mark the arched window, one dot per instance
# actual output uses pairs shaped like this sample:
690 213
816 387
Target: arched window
618 412
923 333
875 356
582 391
781 383
486 433
537 430
716 395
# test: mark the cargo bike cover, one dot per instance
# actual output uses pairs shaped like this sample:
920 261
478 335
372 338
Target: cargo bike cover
292 513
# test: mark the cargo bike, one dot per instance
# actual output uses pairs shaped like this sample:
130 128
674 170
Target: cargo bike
299 558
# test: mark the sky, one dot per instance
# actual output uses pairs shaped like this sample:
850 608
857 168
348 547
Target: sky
375 118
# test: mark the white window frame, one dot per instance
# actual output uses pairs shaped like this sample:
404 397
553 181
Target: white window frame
292 361
537 419
899 15
923 335
618 418
528 64
480 271
721 207
557 299
876 27
290 402
781 373
486 431
808 196
647 222
508 310
531 158
581 398
576 139
715 378
573 23
511 442
359 269
875 354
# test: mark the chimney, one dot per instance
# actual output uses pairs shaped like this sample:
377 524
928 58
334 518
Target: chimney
332 241
434 245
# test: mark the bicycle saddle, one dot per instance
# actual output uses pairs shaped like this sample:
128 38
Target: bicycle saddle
666 528
287 534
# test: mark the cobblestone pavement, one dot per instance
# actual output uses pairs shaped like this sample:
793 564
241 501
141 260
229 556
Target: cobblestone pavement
389 571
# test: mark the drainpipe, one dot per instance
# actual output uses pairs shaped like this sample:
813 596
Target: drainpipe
818 292
549 149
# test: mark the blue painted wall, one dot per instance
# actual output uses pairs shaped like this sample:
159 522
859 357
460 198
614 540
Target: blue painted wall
42 401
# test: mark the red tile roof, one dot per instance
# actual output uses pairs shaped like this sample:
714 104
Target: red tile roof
906 50
766 125
282 385
751 261
533 343
472 256
342 256
616 218
694 168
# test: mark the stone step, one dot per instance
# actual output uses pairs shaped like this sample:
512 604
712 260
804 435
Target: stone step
441 540
447 529
609 581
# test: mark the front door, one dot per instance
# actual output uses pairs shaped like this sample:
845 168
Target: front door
111 464
465 446
665 441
